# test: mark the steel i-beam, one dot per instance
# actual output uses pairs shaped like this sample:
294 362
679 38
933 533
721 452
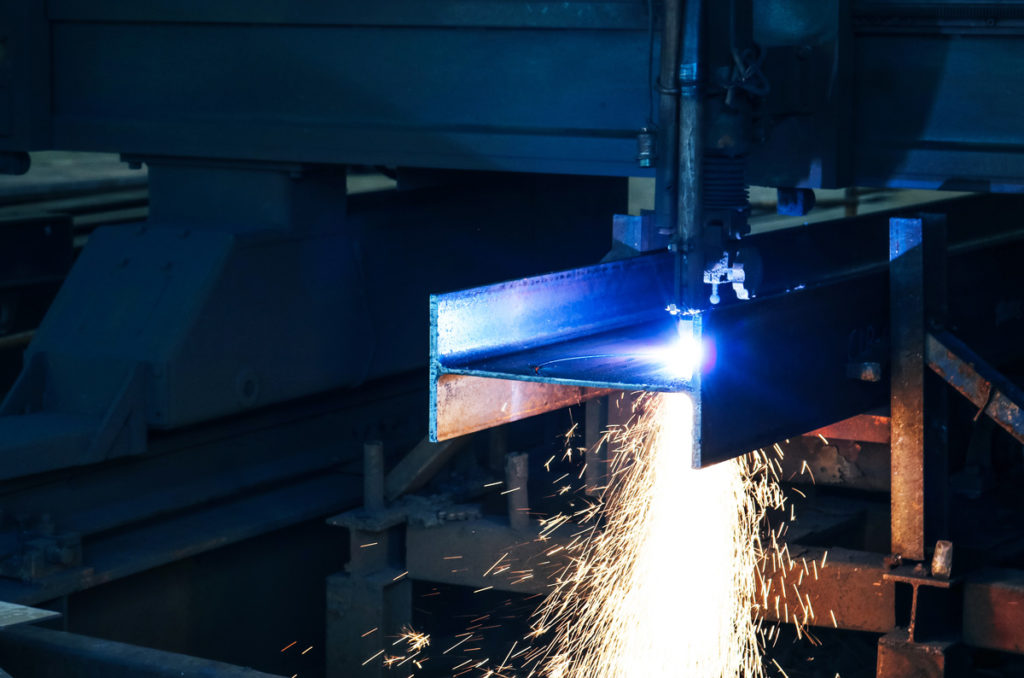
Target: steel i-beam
807 353
768 369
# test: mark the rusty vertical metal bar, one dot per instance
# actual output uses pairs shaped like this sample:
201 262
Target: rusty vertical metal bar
373 476
919 457
516 479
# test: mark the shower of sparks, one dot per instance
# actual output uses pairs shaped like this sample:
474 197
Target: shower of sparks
668 585
669 571
410 644
414 640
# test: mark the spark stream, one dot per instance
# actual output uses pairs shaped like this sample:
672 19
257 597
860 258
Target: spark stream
668 585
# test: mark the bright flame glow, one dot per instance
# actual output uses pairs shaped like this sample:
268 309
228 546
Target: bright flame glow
683 355
668 585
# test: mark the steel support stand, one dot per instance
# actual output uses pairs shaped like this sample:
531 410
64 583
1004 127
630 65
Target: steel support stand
369 603
926 640
595 426
918 398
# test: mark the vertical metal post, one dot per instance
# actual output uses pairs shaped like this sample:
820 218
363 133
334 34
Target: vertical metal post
689 239
919 467
595 423
497 448
373 476
517 470
666 169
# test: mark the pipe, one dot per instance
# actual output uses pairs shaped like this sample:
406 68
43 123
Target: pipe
668 111
688 240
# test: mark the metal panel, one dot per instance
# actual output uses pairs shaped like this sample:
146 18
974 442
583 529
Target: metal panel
927 112
873 95
25 68
605 14
433 96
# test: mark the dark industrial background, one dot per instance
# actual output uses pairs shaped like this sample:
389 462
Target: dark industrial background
223 369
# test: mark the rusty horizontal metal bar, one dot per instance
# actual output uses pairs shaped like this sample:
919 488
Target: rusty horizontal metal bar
846 589
488 553
994 610
976 380
864 428
840 463
462 404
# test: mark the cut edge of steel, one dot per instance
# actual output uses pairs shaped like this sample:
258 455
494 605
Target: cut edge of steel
862 428
504 352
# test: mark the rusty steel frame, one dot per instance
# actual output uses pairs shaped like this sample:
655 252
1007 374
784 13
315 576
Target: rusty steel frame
851 585
917 284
